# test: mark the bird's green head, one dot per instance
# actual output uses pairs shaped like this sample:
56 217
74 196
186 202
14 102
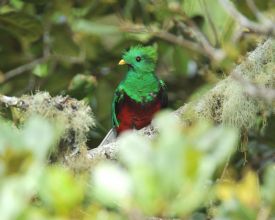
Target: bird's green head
140 58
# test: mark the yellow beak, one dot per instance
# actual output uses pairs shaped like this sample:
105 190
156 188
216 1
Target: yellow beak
121 62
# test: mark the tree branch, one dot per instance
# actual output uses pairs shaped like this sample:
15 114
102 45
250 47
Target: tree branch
26 67
253 89
13 102
265 27
29 66
203 47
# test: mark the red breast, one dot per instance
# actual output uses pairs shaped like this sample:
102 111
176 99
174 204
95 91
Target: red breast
136 115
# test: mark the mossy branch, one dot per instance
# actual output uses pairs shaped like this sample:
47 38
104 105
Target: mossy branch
233 101
13 102
75 116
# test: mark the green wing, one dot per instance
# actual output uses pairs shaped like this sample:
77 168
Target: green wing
117 98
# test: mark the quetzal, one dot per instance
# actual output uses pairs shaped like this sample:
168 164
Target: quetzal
140 94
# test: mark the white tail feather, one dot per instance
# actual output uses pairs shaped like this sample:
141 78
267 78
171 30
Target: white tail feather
110 137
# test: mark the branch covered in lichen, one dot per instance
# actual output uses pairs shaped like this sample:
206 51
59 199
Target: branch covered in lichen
229 102
75 116
12 102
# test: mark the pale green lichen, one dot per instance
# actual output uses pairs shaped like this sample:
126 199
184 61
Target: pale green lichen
228 103
75 116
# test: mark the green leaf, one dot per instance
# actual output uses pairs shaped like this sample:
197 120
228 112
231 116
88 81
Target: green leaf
60 191
82 85
36 2
192 154
268 189
113 192
62 41
21 163
95 28
210 9
8 135
181 59
39 135
24 26
18 4
41 70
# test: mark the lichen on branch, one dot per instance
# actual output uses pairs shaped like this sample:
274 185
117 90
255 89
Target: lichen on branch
229 102
75 116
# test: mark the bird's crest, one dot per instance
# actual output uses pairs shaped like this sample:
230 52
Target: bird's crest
150 52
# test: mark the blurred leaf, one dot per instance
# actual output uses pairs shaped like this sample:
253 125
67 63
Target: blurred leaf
37 2
60 191
62 41
10 50
8 136
95 28
41 70
242 191
142 37
188 157
181 60
268 189
24 26
39 135
210 9
18 4
115 192
15 161
82 85
22 157
244 9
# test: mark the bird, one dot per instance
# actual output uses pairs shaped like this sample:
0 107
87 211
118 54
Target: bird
140 94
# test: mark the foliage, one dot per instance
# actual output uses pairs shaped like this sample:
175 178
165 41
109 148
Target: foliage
190 171
155 177
163 181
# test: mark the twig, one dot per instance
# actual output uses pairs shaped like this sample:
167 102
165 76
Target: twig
178 40
204 49
26 67
265 28
216 54
211 51
224 169
255 10
46 56
133 28
46 40
202 46
29 66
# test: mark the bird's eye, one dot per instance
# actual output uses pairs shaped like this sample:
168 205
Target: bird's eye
138 58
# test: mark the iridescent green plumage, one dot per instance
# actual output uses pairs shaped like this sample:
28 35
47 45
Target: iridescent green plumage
140 86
